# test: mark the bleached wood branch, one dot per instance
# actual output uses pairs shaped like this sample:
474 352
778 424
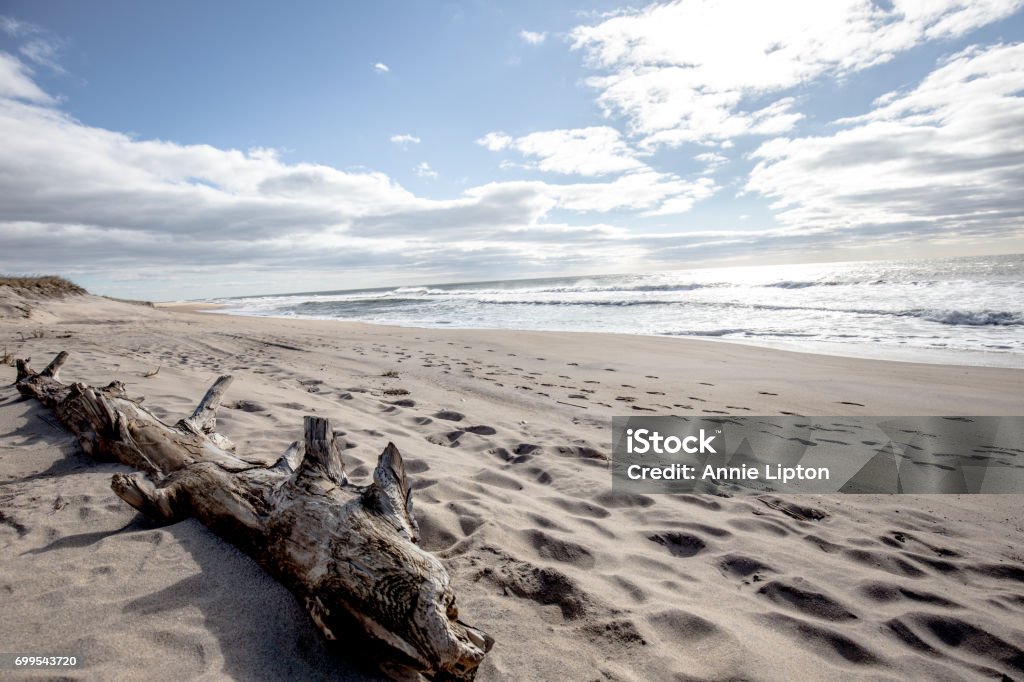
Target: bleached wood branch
347 552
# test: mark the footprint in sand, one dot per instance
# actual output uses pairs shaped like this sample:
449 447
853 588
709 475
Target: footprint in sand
497 480
246 406
746 568
539 475
551 548
449 439
683 545
578 507
416 466
450 415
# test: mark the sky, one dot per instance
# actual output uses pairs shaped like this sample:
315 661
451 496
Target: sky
199 149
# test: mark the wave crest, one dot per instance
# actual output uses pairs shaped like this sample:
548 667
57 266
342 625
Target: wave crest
980 318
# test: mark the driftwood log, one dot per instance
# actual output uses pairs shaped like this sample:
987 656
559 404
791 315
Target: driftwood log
348 552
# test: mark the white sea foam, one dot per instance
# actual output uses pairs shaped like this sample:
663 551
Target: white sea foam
967 309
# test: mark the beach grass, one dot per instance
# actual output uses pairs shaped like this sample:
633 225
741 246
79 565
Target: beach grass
50 286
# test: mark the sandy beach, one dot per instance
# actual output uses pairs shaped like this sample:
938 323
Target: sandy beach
507 438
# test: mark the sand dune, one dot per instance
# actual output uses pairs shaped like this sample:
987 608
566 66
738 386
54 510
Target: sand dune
507 436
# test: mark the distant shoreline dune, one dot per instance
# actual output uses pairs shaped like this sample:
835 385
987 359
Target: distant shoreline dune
506 436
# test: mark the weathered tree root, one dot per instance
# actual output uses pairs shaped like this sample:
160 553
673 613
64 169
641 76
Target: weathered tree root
348 552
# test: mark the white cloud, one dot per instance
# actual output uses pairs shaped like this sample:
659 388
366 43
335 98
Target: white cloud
697 71
16 81
404 140
533 37
41 47
689 194
43 52
597 150
381 67
424 170
82 200
506 164
86 201
712 161
495 141
945 157
644 191
15 28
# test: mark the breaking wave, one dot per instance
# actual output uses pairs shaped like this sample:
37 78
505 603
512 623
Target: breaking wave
981 318
966 304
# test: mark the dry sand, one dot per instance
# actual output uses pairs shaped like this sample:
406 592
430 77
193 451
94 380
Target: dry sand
512 491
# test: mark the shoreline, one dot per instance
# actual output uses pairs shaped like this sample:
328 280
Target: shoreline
506 437
932 356
961 311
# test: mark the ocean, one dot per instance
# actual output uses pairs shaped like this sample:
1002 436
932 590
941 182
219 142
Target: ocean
967 310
